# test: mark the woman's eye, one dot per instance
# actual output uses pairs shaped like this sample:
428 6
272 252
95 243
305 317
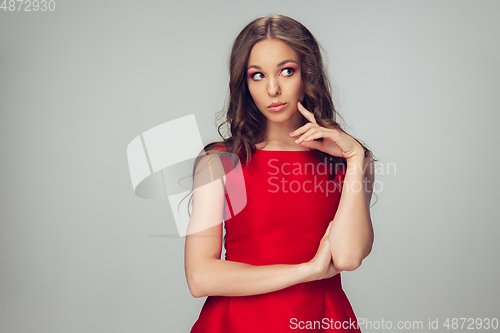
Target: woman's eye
288 71
257 76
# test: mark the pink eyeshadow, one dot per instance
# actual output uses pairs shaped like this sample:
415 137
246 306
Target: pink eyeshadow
250 73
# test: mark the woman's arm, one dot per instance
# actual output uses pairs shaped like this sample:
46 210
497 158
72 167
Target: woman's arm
208 275
351 235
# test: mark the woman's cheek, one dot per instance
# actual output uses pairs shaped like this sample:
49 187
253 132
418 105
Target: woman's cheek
251 89
299 93
256 95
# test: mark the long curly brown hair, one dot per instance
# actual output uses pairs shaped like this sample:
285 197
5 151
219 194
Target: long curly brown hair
246 123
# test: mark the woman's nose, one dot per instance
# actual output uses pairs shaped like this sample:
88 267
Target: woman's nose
274 87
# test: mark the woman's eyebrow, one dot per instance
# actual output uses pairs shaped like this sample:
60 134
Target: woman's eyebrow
279 65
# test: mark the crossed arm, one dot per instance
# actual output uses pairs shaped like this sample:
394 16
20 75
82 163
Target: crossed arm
208 275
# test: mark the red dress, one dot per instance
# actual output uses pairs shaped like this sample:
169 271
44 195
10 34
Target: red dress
290 202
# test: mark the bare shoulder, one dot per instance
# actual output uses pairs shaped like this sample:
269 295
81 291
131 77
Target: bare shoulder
209 168
208 194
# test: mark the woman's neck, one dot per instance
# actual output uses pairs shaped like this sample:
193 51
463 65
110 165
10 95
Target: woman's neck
277 136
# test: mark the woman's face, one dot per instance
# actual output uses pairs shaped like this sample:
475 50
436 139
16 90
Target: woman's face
274 75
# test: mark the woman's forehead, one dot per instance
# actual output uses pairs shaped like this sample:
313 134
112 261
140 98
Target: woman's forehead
271 52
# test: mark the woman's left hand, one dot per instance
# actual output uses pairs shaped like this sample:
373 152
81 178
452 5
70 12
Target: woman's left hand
335 142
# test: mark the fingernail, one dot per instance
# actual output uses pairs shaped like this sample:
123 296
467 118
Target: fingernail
291 134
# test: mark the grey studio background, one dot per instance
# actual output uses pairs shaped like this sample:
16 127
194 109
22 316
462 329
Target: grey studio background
417 81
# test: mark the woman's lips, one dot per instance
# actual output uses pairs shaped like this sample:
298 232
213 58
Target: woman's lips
277 108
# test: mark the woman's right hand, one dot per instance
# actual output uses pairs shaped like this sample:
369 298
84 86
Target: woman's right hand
322 265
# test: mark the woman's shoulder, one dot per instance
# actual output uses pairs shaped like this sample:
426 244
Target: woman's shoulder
222 149
219 151
216 147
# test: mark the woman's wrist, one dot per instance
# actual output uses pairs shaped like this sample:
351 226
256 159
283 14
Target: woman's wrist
309 271
357 158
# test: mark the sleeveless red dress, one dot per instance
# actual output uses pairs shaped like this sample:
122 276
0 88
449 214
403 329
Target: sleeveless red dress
290 200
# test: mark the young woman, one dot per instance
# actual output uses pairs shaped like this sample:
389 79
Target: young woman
306 185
